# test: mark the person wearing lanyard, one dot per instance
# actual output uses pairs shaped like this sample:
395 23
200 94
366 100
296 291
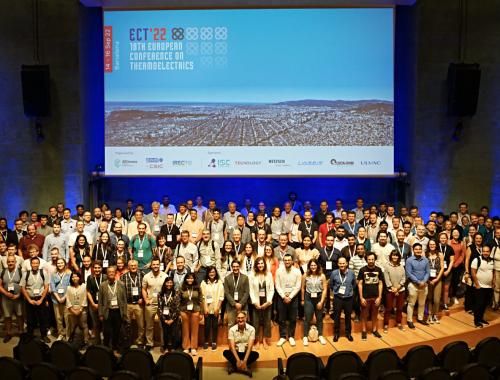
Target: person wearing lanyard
261 295
104 251
171 232
76 305
209 254
313 297
217 228
370 286
449 258
135 303
417 272
151 286
34 287
155 220
328 259
190 307
395 279
351 226
288 283
141 247
236 292
80 249
93 284
483 277
342 283
403 248
164 253
187 250
349 250
308 228
436 263
59 282
212 292
227 255
248 259
241 338
473 250
11 297
179 272
305 254
169 313
112 308
325 228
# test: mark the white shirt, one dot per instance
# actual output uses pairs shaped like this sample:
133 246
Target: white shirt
288 281
484 273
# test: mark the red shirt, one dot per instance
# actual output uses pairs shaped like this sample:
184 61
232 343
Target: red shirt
27 240
323 230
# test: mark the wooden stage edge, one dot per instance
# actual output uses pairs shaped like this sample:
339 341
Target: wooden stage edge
456 326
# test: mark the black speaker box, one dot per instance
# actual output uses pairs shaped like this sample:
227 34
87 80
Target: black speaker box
36 90
463 88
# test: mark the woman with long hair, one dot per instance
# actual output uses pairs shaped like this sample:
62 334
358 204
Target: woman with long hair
59 282
227 255
436 265
76 305
247 260
361 239
169 313
190 306
121 269
79 251
306 253
394 278
212 291
104 252
261 295
271 260
314 289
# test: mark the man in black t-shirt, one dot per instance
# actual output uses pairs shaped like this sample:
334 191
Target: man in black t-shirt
370 285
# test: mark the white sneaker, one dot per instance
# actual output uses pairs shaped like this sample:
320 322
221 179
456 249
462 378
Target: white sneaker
194 352
322 340
435 319
305 341
292 341
281 342
455 301
430 321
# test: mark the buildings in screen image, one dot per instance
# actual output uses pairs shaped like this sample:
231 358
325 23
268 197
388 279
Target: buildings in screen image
290 123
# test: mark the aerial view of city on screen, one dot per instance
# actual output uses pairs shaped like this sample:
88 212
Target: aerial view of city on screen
290 123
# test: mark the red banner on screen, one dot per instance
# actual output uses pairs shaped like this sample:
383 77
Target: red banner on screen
108 49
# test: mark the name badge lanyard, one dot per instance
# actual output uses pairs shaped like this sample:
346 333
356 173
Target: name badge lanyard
308 228
104 253
61 278
167 300
36 279
329 256
401 251
237 248
315 280
236 283
11 278
161 253
350 228
352 252
98 284
178 278
113 292
141 243
169 230
134 282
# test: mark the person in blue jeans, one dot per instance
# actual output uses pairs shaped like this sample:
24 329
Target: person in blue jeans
342 283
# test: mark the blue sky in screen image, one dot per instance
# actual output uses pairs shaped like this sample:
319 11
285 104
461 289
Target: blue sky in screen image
272 56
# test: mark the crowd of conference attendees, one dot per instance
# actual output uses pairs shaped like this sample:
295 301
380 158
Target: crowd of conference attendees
97 271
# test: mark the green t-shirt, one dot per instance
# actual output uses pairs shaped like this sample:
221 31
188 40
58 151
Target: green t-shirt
142 249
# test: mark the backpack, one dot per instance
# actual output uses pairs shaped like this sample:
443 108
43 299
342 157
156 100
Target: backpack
199 245
313 334
18 270
29 272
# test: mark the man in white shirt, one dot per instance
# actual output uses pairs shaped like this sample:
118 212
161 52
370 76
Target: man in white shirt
288 283
187 250
155 219
382 250
167 208
68 225
194 226
287 216
132 226
200 208
231 215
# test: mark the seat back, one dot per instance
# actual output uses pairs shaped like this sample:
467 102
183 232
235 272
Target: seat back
352 376
101 359
168 376
30 350
393 374
124 375
138 361
342 362
474 371
454 356
418 358
302 363
45 371
434 373
380 361
64 356
83 373
11 369
487 352
180 361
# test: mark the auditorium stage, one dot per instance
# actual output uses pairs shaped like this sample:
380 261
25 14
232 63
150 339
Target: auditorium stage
457 325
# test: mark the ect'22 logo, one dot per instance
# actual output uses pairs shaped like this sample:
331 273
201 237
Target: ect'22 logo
156 34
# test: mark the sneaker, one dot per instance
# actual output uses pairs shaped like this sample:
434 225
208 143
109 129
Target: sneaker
305 341
377 334
386 329
483 322
435 319
291 341
186 351
281 342
363 335
455 301
400 326
322 340
430 321
410 325
422 322
445 306
60 337
194 352
478 325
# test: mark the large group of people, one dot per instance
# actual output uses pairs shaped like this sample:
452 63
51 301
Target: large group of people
95 271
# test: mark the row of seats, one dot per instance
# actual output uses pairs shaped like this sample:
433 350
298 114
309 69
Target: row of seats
33 359
420 362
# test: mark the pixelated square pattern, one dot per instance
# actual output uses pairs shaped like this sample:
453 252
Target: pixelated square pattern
221 61
207 61
192 48
220 48
220 33
192 34
206 48
206 33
